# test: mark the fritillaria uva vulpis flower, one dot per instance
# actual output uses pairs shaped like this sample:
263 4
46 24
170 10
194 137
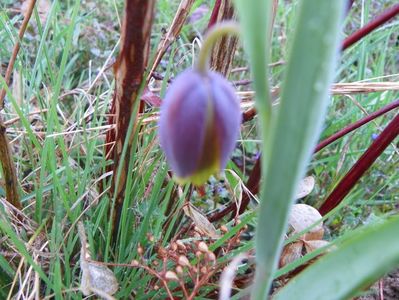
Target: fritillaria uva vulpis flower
199 123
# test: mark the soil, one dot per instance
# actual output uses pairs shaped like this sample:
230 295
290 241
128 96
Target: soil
390 288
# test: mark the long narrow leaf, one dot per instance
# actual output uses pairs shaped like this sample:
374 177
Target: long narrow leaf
255 20
304 101
359 261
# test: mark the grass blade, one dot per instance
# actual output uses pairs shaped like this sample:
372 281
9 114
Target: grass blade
349 268
254 15
304 101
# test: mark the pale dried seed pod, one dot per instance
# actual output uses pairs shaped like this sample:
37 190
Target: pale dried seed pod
224 229
181 245
183 261
162 252
179 270
150 237
135 263
202 247
173 246
140 250
204 270
172 276
211 256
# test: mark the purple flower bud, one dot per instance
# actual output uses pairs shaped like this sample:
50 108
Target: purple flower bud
199 125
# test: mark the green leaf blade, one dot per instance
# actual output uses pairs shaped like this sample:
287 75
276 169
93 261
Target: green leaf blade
304 101
359 261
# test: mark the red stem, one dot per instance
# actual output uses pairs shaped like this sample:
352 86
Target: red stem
254 177
214 15
356 125
361 166
369 27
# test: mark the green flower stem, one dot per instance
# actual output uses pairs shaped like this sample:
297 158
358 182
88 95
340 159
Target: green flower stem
216 32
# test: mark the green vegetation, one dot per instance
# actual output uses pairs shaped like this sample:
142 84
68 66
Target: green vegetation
57 111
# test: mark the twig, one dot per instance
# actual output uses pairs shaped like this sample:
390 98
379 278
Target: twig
381 288
254 178
9 171
173 31
215 12
369 27
356 125
353 38
361 166
129 74
224 49
16 50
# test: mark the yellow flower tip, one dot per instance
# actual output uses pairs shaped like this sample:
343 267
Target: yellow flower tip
200 177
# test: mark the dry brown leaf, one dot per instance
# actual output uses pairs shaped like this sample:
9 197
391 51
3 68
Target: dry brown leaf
305 187
303 216
42 6
96 278
314 245
17 87
291 252
200 221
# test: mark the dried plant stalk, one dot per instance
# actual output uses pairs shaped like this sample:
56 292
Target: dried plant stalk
173 31
224 49
16 50
347 183
9 171
129 70
10 174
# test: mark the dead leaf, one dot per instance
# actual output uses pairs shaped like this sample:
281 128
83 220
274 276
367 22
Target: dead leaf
96 278
305 187
200 221
314 245
150 98
291 252
303 216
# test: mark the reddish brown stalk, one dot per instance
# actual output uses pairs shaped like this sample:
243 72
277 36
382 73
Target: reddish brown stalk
15 51
173 32
223 51
361 166
214 15
369 27
254 178
9 172
6 158
356 125
129 71
353 38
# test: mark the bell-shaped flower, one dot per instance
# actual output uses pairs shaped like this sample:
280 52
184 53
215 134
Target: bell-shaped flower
199 125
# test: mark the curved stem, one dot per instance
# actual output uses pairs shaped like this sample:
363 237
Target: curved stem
217 31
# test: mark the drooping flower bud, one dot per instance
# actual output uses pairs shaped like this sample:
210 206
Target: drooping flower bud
199 125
